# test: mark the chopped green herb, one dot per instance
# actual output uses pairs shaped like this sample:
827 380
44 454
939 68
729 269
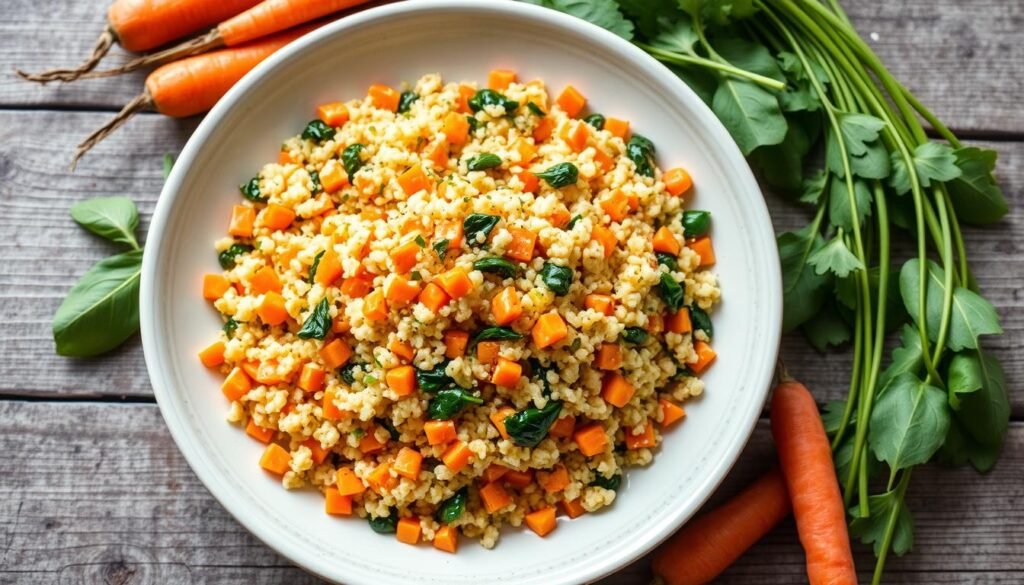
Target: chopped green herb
494 265
351 158
314 266
560 175
535 109
228 257
421 242
483 161
317 131
441 247
528 427
671 292
251 190
696 223
230 326
496 334
641 151
415 275
314 178
406 100
450 509
489 97
634 335
572 222
476 224
318 323
701 321
557 278
666 259
595 120
348 372
474 124
609 483
448 403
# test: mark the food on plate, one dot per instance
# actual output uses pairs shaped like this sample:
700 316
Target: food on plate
453 308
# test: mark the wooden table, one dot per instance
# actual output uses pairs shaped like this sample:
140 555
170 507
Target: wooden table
93 489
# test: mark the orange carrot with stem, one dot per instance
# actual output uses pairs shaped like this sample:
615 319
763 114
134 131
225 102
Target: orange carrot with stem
708 545
193 85
266 18
141 25
806 461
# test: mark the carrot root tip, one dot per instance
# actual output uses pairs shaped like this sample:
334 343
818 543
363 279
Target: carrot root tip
105 41
207 42
139 103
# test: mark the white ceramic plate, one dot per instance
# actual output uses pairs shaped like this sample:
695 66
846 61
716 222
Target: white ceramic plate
462 40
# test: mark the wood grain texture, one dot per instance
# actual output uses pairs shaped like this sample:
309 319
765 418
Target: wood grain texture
44 253
98 492
954 55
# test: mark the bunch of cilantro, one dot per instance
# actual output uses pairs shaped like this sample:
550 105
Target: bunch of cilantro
823 120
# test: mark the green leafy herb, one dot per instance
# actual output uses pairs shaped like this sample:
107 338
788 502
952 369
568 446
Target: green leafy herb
535 109
314 178
971 316
450 402
495 265
318 322
836 258
434 379
696 223
978 387
112 218
609 483
488 97
933 162
348 372
441 247
477 227
701 321
634 335
384 524
474 124
557 278
595 120
390 427
872 530
541 372
230 326
640 150
671 292
415 275
317 131
528 427
420 241
667 260
804 290
908 425
314 266
228 257
251 190
482 162
168 165
352 158
603 13
450 509
495 334
974 193
866 154
406 100
560 175
572 222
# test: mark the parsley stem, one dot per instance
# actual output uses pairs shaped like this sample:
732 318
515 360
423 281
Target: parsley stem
681 59
890 527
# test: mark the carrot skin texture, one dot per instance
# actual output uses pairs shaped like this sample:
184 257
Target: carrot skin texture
805 457
273 16
141 25
708 545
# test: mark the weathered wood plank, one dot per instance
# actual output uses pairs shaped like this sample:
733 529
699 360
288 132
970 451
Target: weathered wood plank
965 60
44 252
93 491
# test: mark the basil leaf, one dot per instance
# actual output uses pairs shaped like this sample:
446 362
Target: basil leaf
112 218
696 223
496 334
609 483
671 292
668 260
528 427
314 266
536 109
483 162
701 321
102 309
489 97
434 379
230 326
384 524
557 278
595 120
351 158
495 265
441 247
251 190
447 403
450 509
560 175
406 100
317 323
634 335
477 224
317 131
228 257
640 150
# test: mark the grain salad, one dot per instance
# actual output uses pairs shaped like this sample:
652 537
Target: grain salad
451 308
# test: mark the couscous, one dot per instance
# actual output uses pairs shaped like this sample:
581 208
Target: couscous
450 309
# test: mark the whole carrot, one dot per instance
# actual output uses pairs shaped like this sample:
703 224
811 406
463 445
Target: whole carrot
708 545
140 25
266 18
806 461
193 85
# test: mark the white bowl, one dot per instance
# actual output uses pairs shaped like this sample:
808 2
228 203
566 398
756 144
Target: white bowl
461 40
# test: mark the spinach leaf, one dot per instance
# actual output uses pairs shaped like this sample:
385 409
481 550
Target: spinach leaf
474 124
701 321
696 223
634 335
972 315
314 177
102 309
572 222
495 334
450 509
441 247
228 257
483 161
405 101
609 483
390 427
671 292
318 322
113 218
434 379
251 190
640 150
560 175
489 97
541 372
447 403
494 265
384 524
595 120
348 372
536 109
750 113
477 224
528 427
420 241
317 131
351 158
667 260
557 278
314 266
230 326
908 423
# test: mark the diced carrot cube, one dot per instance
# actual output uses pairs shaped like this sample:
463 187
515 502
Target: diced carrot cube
446 538
677 181
616 390
526 150
521 246
333 176
251 369
243 219
576 135
414 180
705 355
383 97
518 479
408 530
404 257
337 504
402 380
603 159
375 307
498 419
591 439
571 101
434 297
369 442
214 286
670 412
456 456
437 154
257 432
616 205
603 304
529 180
271 309
500 79
679 322
494 497
617 127
549 330
606 238
276 459
451 231
456 128
400 291
328 269
573 508
465 92
336 353
505 306
507 373
456 282
284 158
401 349
355 287
317 452
330 410
562 428
643 440
333 114
487 352
494 472
312 378
555 481
665 241
609 357
455 343
267 373
439 432
348 482
560 216
407 463
542 131
277 217
213 355
542 521
380 479
702 246
265 280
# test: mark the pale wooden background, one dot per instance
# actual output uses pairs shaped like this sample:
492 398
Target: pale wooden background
93 490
